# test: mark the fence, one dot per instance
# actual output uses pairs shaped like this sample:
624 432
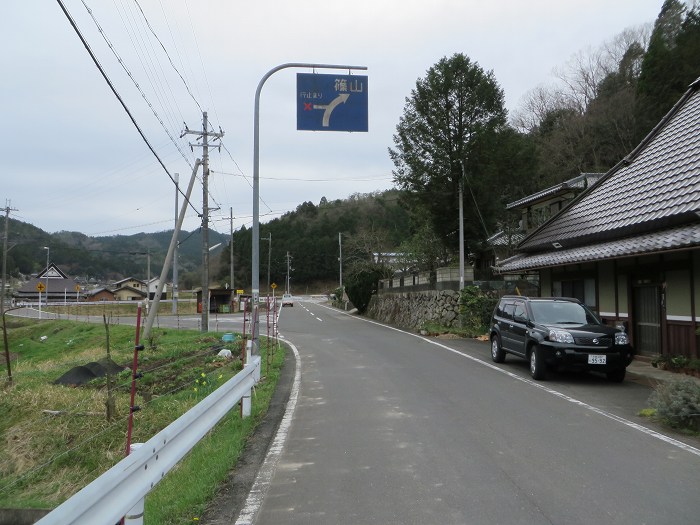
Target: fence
448 279
120 491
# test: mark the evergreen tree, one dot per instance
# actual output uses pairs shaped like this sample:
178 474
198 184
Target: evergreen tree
661 81
450 118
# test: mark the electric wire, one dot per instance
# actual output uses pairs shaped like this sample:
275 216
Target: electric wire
145 51
136 84
168 55
298 179
116 93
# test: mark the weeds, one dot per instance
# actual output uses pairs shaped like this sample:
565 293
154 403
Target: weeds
57 439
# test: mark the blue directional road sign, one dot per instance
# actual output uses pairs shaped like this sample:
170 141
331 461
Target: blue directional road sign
331 102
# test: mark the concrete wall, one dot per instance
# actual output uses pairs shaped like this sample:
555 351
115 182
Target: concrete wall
411 310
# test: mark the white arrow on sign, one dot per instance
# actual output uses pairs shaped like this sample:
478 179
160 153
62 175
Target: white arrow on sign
340 99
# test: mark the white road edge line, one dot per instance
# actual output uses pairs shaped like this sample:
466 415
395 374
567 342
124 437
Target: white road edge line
263 480
631 424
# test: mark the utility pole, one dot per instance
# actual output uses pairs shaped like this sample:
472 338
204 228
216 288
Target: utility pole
230 245
269 253
289 262
2 293
204 135
461 229
177 190
148 279
340 258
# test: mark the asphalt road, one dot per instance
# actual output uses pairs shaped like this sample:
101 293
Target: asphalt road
391 428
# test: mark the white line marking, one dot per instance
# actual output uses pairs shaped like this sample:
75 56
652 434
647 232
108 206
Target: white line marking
631 424
264 478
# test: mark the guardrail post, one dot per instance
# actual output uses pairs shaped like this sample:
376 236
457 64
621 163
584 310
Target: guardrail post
246 403
135 514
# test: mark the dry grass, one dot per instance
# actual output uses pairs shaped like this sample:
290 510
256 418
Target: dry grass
56 439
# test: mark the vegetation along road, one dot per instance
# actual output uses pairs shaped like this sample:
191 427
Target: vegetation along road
394 428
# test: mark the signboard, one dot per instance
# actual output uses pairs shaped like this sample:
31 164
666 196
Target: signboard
40 287
240 292
331 102
273 285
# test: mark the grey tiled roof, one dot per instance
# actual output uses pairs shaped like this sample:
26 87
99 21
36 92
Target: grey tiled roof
580 182
657 186
681 237
501 238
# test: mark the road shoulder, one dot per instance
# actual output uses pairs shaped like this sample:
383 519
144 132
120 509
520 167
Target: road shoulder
232 494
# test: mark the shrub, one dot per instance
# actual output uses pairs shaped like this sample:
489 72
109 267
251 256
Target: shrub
679 361
475 308
677 404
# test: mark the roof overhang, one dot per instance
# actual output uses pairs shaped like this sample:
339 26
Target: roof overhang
673 239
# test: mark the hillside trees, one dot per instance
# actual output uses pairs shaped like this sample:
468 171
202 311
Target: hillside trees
586 122
670 64
371 223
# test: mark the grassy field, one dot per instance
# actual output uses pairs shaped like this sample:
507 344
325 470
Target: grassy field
56 439
116 309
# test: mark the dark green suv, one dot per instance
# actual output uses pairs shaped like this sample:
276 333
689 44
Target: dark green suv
558 333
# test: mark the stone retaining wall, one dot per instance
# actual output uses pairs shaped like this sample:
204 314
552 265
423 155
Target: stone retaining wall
411 310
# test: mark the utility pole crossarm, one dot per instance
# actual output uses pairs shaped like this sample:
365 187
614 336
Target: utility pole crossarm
205 134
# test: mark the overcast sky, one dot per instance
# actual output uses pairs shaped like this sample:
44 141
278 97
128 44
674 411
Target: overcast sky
72 159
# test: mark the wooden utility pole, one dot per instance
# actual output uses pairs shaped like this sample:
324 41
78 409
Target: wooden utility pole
204 135
2 293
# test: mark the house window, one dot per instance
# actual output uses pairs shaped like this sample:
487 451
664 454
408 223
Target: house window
538 216
581 289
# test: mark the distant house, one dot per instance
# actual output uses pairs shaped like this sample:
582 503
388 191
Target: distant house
538 208
629 245
129 289
128 293
130 282
100 295
153 288
52 284
535 210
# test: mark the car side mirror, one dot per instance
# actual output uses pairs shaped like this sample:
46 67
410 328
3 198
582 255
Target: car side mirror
519 319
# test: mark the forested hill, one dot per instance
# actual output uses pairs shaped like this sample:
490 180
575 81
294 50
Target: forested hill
103 259
310 234
313 235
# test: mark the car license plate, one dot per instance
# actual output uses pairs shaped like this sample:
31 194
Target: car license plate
595 359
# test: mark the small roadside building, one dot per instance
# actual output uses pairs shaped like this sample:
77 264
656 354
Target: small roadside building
629 245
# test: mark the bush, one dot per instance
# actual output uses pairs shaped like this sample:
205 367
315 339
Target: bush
475 309
677 404
361 284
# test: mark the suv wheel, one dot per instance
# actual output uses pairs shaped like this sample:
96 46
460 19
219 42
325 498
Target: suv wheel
616 376
537 366
497 353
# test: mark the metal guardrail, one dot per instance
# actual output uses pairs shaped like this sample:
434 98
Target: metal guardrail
120 491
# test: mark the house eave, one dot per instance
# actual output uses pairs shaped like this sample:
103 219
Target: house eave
680 238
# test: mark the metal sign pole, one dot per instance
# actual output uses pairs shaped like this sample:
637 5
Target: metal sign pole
255 278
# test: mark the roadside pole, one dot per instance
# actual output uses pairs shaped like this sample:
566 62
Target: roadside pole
171 249
255 280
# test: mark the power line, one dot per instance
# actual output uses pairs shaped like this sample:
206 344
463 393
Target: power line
131 76
335 179
168 55
116 93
